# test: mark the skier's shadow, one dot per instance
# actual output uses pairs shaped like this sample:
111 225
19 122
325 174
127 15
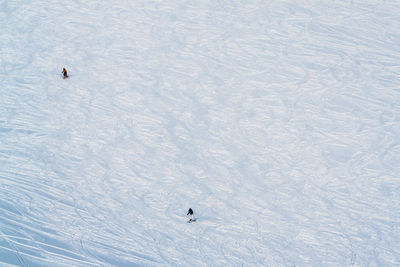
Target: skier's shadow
208 220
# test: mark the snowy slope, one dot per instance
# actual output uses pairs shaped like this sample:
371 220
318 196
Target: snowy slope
276 121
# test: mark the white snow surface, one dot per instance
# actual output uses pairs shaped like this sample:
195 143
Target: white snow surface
278 122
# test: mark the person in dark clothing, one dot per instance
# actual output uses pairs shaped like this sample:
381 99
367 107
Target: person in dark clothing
64 72
190 213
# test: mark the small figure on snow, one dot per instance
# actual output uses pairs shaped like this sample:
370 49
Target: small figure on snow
190 213
64 72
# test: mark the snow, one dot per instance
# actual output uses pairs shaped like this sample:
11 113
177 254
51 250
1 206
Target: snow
276 121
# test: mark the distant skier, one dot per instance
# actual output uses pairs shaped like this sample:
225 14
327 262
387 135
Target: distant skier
190 213
64 72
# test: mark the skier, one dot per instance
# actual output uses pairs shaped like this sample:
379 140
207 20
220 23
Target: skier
190 213
64 72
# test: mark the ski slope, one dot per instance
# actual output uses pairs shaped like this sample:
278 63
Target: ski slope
278 122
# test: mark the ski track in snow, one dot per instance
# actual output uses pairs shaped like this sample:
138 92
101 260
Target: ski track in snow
276 121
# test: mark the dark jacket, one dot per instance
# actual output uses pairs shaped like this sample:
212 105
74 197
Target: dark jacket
190 212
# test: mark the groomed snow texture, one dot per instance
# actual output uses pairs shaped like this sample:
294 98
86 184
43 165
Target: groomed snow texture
278 122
